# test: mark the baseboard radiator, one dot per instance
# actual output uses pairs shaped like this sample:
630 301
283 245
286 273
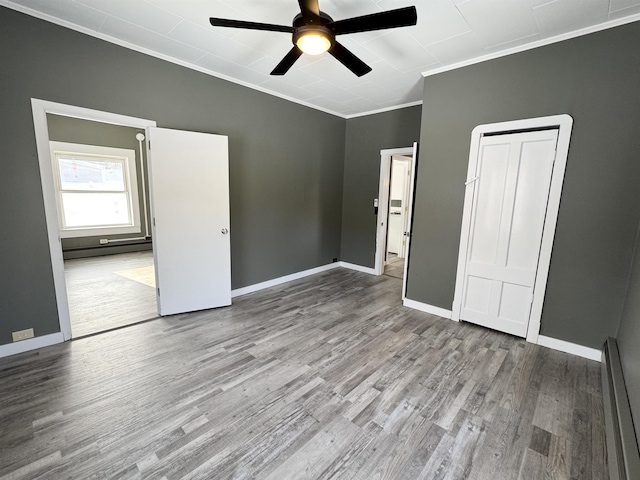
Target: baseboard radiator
622 446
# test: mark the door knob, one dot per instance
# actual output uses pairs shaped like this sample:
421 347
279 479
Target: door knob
224 231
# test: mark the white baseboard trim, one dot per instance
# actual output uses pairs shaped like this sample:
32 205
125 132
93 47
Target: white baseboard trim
277 281
359 268
30 344
568 347
295 276
423 307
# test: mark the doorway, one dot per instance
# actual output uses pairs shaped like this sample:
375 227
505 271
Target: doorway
41 109
394 209
514 182
101 184
183 168
397 217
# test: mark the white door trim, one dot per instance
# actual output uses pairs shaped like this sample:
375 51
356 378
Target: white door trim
409 219
564 123
383 203
40 108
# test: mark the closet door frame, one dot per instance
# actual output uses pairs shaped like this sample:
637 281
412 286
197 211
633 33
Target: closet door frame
564 124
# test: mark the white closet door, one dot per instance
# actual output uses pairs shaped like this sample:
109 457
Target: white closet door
508 214
189 187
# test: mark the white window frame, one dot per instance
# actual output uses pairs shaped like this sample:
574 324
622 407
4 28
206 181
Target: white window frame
127 157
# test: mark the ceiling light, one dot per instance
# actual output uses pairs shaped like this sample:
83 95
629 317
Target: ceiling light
313 43
313 39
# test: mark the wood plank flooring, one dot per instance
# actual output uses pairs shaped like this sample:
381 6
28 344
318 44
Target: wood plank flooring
395 267
103 294
325 377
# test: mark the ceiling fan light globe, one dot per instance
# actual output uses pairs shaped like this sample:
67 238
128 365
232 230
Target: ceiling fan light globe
313 43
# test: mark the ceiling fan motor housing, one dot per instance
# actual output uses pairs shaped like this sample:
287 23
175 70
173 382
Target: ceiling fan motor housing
305 26
299 20
313 29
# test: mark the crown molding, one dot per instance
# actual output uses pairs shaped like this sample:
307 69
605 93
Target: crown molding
538 43
382 110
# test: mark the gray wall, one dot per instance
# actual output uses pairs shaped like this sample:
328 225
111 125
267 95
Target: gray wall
85 132
629 340
286 160
365 137
595 80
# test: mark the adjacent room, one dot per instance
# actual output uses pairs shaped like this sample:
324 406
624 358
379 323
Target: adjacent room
104 216
410 254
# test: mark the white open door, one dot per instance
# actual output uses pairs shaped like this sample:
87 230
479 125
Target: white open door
189 189
510 195
409 216
404 217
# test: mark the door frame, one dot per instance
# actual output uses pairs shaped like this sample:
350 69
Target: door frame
40 108
406 183
383 203
564 123
383 207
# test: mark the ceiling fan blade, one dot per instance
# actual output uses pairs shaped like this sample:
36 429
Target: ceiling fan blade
287 62
309 8
223 22
349 60
401 17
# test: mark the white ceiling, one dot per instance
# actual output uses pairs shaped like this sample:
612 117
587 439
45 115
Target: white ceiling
448 33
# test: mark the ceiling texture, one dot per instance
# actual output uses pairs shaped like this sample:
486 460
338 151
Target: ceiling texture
449 33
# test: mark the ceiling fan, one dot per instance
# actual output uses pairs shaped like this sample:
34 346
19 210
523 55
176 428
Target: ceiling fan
314 32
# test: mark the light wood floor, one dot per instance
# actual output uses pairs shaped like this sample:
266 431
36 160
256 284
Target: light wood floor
325 377
395 266
103 293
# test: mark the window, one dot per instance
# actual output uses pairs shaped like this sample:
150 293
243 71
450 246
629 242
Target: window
96 190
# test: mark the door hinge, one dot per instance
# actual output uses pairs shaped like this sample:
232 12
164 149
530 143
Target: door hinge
154 221
158 291
149 147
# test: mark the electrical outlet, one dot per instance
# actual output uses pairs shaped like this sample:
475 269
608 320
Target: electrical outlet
22 334
104 241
